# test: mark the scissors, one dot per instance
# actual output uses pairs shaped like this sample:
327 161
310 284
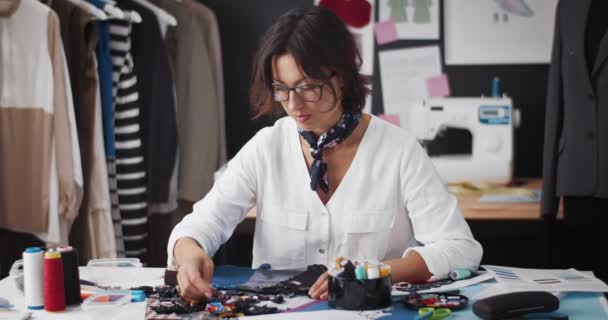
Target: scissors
433 313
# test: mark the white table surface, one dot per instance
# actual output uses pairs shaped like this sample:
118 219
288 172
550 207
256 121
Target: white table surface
124 277
132 277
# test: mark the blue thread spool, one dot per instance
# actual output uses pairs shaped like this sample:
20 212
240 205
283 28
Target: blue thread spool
360 273
459 274
496 87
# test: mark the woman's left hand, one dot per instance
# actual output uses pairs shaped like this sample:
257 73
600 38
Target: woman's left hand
319 288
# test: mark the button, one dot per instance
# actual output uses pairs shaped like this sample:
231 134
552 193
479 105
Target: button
322 251
590 135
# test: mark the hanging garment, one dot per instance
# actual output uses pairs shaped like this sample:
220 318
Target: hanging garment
104 67
575 155
197 106
211 34
156 97
92 232
130 158
40 170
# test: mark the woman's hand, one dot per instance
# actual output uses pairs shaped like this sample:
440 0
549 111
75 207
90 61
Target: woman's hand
194 271
319 288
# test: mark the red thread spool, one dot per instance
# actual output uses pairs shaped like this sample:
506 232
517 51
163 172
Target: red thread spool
54 290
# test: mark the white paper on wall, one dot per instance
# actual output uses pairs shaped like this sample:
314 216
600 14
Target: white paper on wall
403 73
498 31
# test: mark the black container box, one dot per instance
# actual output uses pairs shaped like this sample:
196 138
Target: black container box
352 294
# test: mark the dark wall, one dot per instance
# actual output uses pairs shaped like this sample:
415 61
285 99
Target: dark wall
243 22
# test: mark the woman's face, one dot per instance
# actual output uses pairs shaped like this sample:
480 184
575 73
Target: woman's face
317 116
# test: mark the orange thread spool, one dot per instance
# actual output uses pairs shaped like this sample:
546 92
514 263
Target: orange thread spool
54 290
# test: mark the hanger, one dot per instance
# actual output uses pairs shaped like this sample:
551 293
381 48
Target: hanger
160 13
91 9
116 13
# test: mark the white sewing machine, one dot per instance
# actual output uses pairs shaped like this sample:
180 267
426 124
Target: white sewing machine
491 123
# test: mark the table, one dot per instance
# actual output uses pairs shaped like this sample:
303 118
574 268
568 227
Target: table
472 209
577 305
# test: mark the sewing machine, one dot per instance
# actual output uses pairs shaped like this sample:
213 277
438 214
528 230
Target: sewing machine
490 124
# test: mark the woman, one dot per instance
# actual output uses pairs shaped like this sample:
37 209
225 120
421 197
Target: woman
327 180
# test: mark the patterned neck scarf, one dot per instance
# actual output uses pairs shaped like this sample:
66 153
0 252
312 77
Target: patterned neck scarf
318 172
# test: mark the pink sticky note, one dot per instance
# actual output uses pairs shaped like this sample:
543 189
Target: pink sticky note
392 118
386 31
438 86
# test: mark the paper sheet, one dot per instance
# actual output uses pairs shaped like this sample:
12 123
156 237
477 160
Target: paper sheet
552 280
438 86
386 32
498 32
454 285
403 74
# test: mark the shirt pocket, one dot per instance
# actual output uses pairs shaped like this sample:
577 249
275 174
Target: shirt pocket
367 234
283 236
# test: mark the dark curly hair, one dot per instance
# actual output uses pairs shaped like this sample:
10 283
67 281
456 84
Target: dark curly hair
319 42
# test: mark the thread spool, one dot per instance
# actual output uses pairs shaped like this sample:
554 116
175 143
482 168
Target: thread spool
459 274
360 273
496 87
54 291
373 272
385 270
33 258
71 277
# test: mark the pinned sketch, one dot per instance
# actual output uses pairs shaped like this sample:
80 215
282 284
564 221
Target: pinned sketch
498 31
511 7
404 74
414 19
358 15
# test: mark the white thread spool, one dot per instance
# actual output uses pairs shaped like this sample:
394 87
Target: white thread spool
373 272
33 259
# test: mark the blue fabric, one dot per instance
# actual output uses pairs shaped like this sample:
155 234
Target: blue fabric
583 306
228 276
104 68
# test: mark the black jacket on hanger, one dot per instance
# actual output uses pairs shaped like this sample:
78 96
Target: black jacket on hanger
575 155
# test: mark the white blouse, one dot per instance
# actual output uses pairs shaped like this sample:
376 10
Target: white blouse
391 200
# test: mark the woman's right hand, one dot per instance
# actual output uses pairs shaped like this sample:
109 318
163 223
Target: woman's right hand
194 270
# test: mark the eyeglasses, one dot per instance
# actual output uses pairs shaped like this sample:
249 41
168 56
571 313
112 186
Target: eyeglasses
307 92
